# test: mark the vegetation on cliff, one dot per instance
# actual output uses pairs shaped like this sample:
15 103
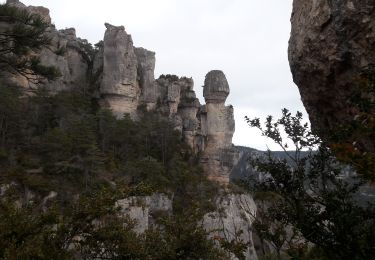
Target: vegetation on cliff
66 165
308 207
25 34
64 143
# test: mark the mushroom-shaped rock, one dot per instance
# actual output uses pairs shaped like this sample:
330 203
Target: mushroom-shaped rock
216 88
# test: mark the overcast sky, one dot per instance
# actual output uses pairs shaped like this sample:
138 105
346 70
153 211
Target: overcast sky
247 39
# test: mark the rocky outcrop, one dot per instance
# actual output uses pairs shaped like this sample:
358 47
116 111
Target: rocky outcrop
69 54
331 52
145 72
119 87
125 82
232 221
40 10
124 76
143 209
207 128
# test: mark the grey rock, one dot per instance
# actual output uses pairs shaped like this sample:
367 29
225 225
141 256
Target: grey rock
216 87
331 45
39 10
146 67
119 86
119 63
15 3
233 221
42 11
218 127
141 209
64 52
124 76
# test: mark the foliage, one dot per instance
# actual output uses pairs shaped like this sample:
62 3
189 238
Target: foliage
18 42
63 143
64 163
351 143
310 198
91 227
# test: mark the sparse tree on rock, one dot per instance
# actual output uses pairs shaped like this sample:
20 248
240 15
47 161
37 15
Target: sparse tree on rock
21 35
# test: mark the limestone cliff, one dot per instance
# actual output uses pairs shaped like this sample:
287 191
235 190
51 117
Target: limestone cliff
119 88
232 221
69 54
331 50
125 82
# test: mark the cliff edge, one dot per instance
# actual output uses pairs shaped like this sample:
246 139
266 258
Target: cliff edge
332 59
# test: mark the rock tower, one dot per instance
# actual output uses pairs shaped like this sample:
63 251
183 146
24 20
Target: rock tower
219 126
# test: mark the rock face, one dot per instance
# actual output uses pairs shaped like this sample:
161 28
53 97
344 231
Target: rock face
145 72
119 88
232 221
125 82
330 49
66 52
142 209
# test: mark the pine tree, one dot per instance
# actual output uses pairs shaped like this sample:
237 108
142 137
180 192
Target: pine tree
19 40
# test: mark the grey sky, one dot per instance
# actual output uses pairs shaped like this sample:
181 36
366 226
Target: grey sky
247 39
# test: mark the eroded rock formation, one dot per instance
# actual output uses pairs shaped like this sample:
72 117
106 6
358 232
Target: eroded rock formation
69 54
232 220
142 209
128 83
218 128
123 76
125 81
119 87
331 49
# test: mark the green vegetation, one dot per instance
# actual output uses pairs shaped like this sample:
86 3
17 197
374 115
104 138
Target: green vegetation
62 143
307 210
353 142
64 163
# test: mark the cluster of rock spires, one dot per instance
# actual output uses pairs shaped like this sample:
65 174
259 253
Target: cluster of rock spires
127 82
124 78
331 45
